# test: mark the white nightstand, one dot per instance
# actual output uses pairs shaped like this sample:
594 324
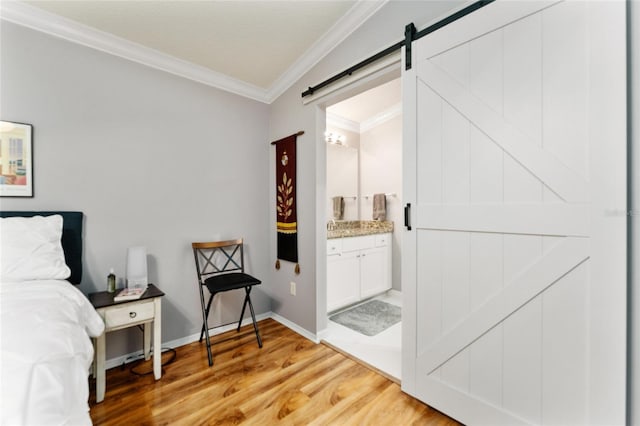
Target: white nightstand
119 315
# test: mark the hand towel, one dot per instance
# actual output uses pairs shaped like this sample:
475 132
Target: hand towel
379 207
338 208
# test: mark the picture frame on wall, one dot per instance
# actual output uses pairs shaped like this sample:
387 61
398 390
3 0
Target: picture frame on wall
16 159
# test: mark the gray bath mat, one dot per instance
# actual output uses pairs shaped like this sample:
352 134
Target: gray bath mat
369 318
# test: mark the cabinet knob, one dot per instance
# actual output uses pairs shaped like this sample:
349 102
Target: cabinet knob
132 314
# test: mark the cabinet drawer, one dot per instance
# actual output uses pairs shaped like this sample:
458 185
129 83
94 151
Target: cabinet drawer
128 314
334 246
358 243
383 240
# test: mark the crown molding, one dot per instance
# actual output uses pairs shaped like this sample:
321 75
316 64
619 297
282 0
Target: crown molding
57 26
340 122
347 24
381 117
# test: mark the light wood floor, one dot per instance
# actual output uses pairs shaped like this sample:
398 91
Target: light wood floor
289 381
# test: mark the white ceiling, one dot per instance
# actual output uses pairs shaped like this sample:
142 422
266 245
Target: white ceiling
371 103
253 41
253 48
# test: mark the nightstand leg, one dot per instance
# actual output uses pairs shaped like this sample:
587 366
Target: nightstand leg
95 358
100 373
157 340
147 341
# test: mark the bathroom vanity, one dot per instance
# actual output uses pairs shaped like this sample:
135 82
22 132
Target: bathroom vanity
358 261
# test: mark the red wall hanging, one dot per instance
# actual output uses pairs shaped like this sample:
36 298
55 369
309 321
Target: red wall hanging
286 212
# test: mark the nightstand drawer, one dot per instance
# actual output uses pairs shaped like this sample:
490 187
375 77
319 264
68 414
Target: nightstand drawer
128 314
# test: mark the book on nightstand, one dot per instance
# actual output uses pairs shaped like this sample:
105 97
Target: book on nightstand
129 294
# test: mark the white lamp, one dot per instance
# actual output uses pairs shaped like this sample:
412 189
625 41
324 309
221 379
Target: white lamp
137 267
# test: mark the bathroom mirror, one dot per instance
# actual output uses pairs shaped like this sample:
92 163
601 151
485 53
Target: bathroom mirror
368 159
342 174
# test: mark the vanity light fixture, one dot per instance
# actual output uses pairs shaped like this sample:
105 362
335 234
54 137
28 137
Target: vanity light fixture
334 138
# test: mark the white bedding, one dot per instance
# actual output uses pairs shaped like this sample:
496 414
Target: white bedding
45 353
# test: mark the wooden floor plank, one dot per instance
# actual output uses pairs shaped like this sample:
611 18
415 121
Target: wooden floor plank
290 381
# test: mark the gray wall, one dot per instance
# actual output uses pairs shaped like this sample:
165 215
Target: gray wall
289 115
150 158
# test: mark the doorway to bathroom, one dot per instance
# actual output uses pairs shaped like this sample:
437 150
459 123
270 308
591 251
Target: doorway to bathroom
364 227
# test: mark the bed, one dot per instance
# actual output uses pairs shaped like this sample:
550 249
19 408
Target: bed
46 323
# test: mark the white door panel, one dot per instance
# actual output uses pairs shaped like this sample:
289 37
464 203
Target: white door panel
541 274
461 107
514 270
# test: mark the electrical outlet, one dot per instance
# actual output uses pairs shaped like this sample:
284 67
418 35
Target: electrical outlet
292 288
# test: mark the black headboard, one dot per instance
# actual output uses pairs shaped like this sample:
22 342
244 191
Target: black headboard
71 238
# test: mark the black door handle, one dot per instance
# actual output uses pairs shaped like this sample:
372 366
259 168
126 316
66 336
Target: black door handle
407 213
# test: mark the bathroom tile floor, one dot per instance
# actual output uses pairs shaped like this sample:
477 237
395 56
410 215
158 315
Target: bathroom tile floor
382 351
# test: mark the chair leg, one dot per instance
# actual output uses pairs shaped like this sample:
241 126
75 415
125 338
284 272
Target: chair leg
253 316
205 313
244 305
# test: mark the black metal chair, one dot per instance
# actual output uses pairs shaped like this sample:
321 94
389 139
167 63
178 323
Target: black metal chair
220 267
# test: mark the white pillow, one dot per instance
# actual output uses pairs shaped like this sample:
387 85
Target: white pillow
31 249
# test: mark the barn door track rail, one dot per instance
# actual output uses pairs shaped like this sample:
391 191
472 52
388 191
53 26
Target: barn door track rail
410 35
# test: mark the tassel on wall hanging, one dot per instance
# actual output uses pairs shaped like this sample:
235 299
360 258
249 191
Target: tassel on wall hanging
286 212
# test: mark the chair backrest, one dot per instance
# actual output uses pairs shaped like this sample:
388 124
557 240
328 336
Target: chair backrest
218 257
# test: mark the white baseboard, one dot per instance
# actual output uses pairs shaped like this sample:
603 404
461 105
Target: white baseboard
295 327
133 356
394 292
316 338
322 334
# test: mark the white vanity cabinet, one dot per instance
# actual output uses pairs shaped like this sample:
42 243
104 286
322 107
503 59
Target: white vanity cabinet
357 268
343 280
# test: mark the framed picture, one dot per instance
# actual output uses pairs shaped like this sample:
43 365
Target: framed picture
16 159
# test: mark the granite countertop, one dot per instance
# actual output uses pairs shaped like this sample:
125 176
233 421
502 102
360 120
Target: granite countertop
356 228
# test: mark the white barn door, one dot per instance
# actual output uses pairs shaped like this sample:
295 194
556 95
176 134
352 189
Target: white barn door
514 271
